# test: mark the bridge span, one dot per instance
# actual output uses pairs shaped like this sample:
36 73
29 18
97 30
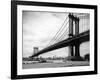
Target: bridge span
82 37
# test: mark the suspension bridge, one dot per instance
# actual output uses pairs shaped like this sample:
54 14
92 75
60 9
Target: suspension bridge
69 35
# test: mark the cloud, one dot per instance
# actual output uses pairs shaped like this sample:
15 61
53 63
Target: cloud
60 15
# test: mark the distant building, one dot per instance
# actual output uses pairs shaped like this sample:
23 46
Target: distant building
35 50
87 57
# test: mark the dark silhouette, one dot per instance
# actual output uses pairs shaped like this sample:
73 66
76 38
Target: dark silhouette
87 57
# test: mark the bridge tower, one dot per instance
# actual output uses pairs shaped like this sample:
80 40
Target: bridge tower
71 34
71 30
77 45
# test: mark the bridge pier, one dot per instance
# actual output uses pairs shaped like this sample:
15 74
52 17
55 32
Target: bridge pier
77 49
71 50
77 52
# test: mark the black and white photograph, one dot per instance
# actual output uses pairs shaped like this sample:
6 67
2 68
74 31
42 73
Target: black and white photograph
53 39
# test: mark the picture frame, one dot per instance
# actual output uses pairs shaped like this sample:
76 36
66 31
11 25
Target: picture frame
20 9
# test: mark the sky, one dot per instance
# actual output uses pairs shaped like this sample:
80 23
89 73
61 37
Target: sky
40 27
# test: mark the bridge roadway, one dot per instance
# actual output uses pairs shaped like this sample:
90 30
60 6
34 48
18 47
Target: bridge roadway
82 37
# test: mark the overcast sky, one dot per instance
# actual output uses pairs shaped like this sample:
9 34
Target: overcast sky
40 27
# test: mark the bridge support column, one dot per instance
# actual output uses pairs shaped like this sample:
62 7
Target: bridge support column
71 34
77 45
70 25
71 50
77 50
77 26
